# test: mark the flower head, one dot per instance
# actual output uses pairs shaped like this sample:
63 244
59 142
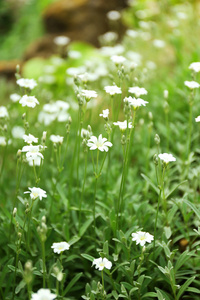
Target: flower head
3 112
33 151
135 102
192 84
15 97
105 113
36 192
56 139
118 59
99 143
27 83
43 294
2 141
29 101
112 90
137 91
141 237
61 40
166 157
18 132
195 66
29 139
123 125
197 119
60 247
88 94
101 263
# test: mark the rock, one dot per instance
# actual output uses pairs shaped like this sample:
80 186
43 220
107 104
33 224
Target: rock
83 20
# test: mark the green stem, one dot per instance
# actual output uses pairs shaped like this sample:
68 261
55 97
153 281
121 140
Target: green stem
44 264
94 208
82 192
102 282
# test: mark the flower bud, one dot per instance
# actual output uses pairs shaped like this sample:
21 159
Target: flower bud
166 94
166 107
44 135
155 159
19 153
14 212
157 139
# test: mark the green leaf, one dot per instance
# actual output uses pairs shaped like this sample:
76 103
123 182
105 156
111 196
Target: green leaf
20 286
193 207
171 192
72 283
151 183
85 226
150 294
120 265
168 232
182 259
193 290
88 257
162 294
184 287
105 248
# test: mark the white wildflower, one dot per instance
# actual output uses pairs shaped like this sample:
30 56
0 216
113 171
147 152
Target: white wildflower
36 192
60 247
192 84
29 101
99 143
141 238
137 91
112 89
105 113
56 139
101 263
43 294
15 97
195 66
27 83
166 157
29 139
61 40
3 112
123 125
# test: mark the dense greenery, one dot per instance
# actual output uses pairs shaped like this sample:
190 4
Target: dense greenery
96 200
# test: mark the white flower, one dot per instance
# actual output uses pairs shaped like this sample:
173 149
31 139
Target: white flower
159 43
166 94
56 139
61 40
27 83
29 101
113 15
118 59
2 141
15 97
85 133
112 89
18 132
197 119
74 54
135 102
132 33
105 113
100 143
34 160
109 51
76 71
137 91
33 151
166 157
43 294
60 247
101 263
3 112
192 84
123 125
141 237
29 139
36 192
89 94
195 66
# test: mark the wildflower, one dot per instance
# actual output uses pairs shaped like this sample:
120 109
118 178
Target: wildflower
75 71
166 94
15 97
113 15
74 54
109 51
61 40
195 66
29 101
88 94
99 143
2 141
34 161
43 294
105 113
85 133
101 263
56 139
141 237
166 157
132 33
18 132
36 192
27 83
137 91
33 151
197 119
123 125
60 247
112 90
3 112
29 139
159 43
135 102
118 59
192 84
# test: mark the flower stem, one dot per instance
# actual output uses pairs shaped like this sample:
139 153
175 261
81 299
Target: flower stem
82 192
44 264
